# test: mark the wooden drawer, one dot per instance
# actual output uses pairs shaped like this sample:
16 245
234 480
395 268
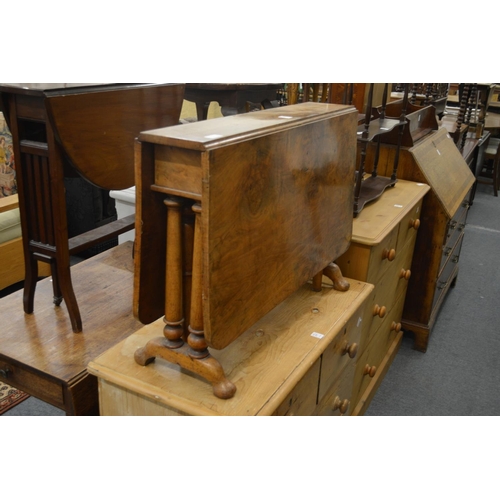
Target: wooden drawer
446 276
337 400
454 230
369 361
394 282
26 380
367 263
342 351
302 399
408 227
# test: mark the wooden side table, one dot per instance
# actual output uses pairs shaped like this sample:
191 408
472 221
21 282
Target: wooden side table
253 206
297 360
75 129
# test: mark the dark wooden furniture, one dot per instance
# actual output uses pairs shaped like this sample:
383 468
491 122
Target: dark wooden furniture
424 94
434 160
40 354
58 129
255 205
488 167
369 188
232 97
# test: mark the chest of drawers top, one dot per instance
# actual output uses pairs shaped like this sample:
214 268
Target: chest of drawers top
379 219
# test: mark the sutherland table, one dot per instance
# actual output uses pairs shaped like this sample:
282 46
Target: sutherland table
64 129
40 354
242 211
297 360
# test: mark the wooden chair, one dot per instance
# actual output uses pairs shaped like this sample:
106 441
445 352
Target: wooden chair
489 169
335 93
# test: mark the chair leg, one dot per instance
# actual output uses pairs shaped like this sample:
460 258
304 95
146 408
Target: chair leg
495 177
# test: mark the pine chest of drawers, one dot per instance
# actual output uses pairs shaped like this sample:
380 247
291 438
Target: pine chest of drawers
297 360
381 253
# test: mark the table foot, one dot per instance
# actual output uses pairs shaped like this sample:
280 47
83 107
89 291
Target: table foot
208 367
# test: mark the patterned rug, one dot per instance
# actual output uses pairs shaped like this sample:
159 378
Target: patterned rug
10 397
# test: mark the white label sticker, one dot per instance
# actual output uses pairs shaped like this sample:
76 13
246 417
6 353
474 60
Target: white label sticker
285 117
317 335
398 206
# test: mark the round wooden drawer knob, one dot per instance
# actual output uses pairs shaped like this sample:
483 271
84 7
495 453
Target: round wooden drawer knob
341 404
390 255
405 273
415 223
350 349
370 370
396 326
379 311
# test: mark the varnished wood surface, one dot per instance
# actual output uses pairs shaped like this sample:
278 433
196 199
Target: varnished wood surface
43 344
293 169
220 132
97 129
375 222
453 180
266 363
96 124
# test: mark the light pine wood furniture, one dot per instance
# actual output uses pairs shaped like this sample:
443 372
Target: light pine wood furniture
40 354
254 205
434 160
381 253
68 129
297 360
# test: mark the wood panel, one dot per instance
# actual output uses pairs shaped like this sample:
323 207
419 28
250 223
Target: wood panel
111 118
291 219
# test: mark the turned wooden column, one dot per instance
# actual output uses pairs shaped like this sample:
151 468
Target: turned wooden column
196 339
174 317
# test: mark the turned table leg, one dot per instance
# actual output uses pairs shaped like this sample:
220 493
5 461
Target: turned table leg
194 356
174 320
